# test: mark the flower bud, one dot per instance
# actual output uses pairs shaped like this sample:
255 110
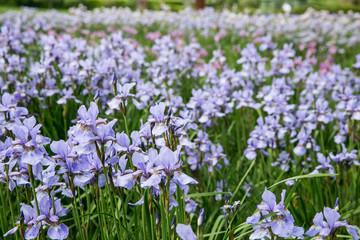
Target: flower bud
201 217
336 206
173 222
157 218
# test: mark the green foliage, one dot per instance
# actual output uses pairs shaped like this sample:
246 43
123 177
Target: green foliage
308 196
298 6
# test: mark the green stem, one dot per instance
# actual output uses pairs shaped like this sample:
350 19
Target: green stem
3 213
126 125
81 214
77 218
107 188
101 202
33 188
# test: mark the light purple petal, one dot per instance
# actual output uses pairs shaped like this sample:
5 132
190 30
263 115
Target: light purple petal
185 232
11 231
59 231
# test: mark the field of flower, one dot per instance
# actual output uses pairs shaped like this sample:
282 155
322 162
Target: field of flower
119 124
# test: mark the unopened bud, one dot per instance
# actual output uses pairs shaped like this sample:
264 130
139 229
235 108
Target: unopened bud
226 198
157 218
336 206
201 217
173 222
97 94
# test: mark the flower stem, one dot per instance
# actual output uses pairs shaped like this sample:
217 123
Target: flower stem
31 176
126 125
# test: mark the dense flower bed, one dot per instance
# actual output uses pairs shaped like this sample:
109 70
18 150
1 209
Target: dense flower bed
145 125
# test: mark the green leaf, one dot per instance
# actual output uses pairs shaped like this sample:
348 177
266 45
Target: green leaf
291 193
206 194
217 226
147 214
243 178
304 176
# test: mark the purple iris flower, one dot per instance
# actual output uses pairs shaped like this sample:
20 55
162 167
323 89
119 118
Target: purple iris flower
281 224
168 160
48 216
345 157
159 118
122 143
328 227
123 93
325 164
28 145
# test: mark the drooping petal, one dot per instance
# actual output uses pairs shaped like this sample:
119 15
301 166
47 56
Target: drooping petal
190 206
59 231
313 231
83 179
32 232
32 157
282 227
259 233
185 232
325 232
11 231
183 179
298 232
354 231
127 181
153 181
299 150
138 203
254 219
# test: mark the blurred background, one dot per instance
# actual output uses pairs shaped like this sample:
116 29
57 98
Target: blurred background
298 6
